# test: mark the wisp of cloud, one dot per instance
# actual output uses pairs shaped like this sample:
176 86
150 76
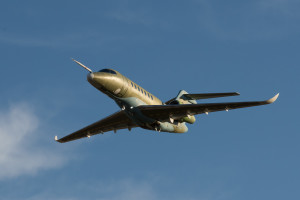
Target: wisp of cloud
21 151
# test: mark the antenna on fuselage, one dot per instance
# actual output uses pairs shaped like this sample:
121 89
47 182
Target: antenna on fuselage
82 65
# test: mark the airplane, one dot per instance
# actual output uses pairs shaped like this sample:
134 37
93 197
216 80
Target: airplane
140 108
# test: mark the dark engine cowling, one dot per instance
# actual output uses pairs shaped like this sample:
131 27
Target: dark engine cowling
189 119
175 102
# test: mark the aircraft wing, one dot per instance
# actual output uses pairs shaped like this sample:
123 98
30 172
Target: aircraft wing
116 121
165 112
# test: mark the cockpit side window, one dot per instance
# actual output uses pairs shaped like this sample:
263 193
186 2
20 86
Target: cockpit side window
108 71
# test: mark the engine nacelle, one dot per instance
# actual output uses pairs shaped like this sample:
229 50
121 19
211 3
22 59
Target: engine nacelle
174 102
189 119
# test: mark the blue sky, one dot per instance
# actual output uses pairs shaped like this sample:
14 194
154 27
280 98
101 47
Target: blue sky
251 47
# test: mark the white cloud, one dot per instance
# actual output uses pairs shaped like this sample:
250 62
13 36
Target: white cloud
22 150
128 189
124 189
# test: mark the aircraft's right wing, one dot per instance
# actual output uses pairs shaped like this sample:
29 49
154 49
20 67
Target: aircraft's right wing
116 121
163 113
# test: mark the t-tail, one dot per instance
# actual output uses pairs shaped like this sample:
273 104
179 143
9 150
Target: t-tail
184 97
181 98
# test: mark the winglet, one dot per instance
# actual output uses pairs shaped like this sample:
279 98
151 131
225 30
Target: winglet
273 99
55 138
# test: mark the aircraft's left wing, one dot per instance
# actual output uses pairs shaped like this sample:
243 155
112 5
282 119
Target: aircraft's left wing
116 121
164 113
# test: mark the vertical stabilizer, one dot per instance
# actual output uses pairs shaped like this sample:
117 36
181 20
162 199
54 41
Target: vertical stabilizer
184 99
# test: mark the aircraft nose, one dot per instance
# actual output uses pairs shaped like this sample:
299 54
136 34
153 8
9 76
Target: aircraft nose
97 78
90 76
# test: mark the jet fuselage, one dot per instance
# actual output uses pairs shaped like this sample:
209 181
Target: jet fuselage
139 108
129 95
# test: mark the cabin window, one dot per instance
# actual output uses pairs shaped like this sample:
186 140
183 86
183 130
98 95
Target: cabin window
135 86
148 95
139 88
145 93
142 91
131 84
108 71
151 97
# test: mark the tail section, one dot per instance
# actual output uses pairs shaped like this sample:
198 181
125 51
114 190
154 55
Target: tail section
185 98
182 98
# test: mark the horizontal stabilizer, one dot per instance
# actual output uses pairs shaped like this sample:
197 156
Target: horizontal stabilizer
210 95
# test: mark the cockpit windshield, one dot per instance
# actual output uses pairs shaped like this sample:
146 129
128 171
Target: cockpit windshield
108 71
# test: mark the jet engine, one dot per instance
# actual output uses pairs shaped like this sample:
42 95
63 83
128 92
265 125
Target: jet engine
189 118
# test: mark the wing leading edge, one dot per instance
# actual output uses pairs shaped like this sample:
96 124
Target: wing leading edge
116 121
165 112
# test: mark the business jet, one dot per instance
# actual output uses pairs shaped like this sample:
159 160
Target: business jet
140 108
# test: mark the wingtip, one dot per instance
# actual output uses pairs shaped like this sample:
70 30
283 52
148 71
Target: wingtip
55 138
273 99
